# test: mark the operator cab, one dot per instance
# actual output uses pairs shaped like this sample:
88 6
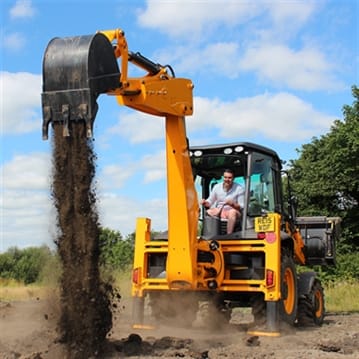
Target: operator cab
256 169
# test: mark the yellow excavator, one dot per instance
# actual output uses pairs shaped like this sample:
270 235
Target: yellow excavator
195 260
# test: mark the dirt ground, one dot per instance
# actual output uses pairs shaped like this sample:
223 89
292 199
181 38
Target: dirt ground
28 330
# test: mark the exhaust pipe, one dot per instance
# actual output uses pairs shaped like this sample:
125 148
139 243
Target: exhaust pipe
76 70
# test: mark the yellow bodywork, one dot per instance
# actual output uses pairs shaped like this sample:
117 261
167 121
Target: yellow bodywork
178 266
172 98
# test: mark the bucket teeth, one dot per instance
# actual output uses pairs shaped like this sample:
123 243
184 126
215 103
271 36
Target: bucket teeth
66 116
46 110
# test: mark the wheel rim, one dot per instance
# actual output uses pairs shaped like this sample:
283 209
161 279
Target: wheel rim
288 301
318 304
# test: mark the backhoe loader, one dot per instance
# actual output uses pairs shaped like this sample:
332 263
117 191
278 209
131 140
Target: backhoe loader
194 261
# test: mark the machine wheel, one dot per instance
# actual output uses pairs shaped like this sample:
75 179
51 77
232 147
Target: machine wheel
289 302
311 307
214 313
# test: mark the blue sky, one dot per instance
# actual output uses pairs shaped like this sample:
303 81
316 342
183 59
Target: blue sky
272 72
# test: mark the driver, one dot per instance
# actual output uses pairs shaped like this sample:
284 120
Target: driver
226 199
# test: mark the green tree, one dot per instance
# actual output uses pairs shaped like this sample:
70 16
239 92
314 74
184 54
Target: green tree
28 268
24 265
115 252
7 265
325 176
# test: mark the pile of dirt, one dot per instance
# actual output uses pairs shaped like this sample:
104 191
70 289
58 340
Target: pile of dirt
86 316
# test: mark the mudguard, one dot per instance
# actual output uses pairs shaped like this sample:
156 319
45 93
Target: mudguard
305 282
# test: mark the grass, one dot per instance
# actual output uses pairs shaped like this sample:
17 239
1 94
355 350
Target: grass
122 281
342 297
12 290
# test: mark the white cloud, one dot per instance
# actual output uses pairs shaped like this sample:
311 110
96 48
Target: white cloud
114 176
216 58
190 19
305 69
20 102
27 171
154 166
22 9
259 47
119 210
290 12
279 117
27 215
28 219
120 213
138 127
276 116
14 41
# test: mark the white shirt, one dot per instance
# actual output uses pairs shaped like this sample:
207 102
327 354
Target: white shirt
219 195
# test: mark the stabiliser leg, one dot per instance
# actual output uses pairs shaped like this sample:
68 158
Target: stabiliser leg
273 318
272 321
138 311
138 305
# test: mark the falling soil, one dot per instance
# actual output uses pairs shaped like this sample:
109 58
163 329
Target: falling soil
85 317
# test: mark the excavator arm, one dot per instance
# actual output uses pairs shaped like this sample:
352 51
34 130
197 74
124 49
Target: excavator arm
76 70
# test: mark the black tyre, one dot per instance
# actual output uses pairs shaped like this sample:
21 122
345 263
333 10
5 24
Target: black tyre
311 307
215 314
289 302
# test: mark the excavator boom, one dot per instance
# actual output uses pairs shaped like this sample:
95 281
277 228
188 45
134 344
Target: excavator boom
76 70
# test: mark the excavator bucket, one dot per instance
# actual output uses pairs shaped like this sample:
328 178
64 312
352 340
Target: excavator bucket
76 70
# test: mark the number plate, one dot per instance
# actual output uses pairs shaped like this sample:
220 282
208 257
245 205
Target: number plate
264 224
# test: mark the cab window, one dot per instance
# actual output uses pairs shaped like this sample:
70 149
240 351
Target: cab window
261 186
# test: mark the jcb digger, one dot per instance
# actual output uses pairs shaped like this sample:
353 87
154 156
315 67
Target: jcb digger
194 260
